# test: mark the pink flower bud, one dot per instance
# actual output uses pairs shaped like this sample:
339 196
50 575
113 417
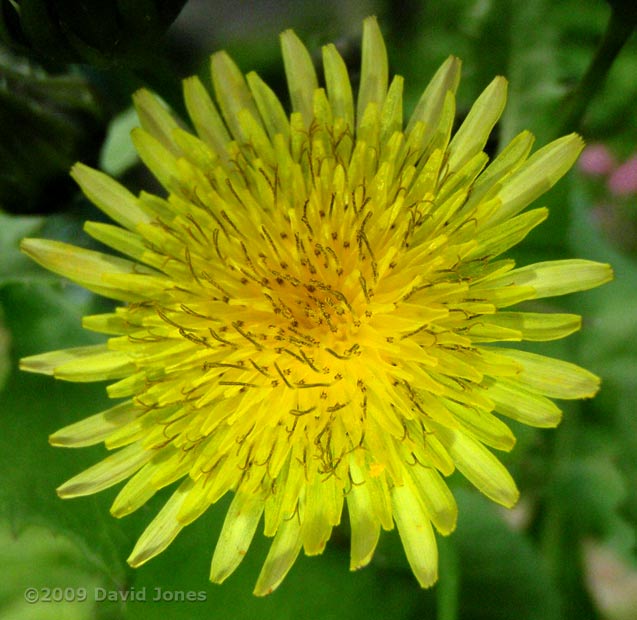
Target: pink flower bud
596 160
623 181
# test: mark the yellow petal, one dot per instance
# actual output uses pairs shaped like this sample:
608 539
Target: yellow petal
476 128
537 175
374 69
507 161
106 473
111 197
86 267
237 533
552 377
157 158
494 241
553 278
317 525
165 467
136 492
272 113
282 555
46 363
300 74
535 326
430 106
141 286
109 323
205 117
364 522
198 499
479 466
391 116
255 135
339 88
484 426
156 119
436 496
517 403
232 92
417 535
162 530
123 241
96 428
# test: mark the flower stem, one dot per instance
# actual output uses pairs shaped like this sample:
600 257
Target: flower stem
620 26
447 591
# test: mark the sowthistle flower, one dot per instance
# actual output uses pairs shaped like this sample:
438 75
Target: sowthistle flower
311 314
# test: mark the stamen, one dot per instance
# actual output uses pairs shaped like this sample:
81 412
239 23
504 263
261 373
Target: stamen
220 339
301 412
283 376
246 335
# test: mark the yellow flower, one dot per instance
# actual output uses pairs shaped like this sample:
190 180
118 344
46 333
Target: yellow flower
309 315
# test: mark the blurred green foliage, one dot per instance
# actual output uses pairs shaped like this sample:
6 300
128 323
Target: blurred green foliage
126 32
577 482
47 122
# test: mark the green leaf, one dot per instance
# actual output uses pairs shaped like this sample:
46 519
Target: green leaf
594 488
5 360
47 574
502 575
118 153
41 318
14 266
532 69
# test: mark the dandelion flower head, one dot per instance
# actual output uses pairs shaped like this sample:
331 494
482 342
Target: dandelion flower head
310 314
